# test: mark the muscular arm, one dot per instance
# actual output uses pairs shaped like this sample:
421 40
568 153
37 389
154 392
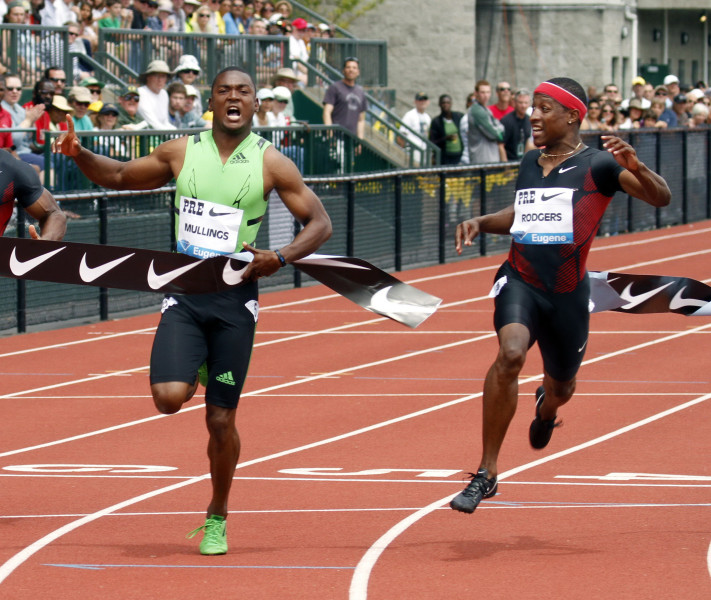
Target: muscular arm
52 221
145 173
637 180
282 175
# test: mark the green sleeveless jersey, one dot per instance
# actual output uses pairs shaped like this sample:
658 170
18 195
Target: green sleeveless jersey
219 206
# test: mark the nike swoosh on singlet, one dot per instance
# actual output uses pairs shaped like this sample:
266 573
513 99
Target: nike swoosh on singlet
562 170
678 302
88 273
633 301
545 197
156 281
20 267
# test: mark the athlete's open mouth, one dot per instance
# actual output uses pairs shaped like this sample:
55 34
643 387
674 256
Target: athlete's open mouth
234 112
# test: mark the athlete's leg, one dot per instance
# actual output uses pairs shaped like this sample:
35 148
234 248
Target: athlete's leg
501 392
168 397
557 394
223 451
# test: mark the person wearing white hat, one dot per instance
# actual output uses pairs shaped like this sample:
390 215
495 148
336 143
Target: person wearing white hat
672 83
282 95
264 116
187 72
153 103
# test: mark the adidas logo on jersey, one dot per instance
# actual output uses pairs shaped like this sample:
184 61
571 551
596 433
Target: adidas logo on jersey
226 378
238 158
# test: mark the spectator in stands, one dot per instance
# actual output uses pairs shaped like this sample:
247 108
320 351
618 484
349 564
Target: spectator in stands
648 92
680 106
128 117
6 142
672 84
109 145
612 93
42 94
609 115
193 116
26 48
55 13
638 84
264 116
257 26
344 102
419 121
22 118
281 98
326 30
112 18
635 109
267 10
57 76
284 8
141 11
484 133
87 28
81 69
153 105
95 88
503 103
202 21
444 132
233 26
79 100
699 116
297 49
593 118
661 110
189 8
517 127
176 105
238 18
187 72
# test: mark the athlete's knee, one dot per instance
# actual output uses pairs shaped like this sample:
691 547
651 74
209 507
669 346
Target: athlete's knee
169 397
220 422
511 358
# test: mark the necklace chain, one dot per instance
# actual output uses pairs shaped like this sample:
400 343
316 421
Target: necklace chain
546 155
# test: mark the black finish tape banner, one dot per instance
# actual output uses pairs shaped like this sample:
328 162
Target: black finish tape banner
171 272
648 294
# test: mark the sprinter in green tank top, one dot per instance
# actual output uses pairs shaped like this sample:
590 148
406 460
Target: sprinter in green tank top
224 178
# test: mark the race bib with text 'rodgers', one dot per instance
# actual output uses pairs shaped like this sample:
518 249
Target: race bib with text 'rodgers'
207 229
543 216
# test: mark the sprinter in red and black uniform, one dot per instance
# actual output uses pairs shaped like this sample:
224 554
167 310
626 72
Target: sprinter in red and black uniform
542 291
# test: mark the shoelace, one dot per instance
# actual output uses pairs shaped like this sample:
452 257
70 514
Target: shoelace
212 528
478 484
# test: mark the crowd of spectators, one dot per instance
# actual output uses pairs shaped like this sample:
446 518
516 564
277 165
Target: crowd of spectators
165 98
492 131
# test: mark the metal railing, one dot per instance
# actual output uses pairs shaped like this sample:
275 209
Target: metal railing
315 149
394 219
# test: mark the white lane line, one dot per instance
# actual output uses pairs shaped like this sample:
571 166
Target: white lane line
361 576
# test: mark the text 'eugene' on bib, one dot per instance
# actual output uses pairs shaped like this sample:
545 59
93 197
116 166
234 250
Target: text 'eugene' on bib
543 216
207 229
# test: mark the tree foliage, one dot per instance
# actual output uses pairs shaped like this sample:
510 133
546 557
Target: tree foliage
341 12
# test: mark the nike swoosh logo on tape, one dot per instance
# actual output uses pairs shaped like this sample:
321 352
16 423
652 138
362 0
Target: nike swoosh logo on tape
561 170
89 274
633 301
678 302
156 281
382 304
230 276
20 267
545 197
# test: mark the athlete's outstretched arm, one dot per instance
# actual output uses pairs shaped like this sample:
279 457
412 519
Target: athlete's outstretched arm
145 173
498 222
52 221
637 180
281 174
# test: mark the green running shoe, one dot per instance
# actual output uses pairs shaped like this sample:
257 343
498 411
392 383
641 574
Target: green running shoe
214 540
202 374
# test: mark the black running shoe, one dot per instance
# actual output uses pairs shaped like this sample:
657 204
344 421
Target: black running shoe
540 432
479 487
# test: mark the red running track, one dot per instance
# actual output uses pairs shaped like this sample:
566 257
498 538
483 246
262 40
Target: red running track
355 434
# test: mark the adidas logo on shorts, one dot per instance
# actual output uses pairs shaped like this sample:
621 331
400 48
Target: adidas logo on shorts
226 378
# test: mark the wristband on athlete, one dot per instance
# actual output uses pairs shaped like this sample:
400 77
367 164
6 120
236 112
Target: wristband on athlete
282 260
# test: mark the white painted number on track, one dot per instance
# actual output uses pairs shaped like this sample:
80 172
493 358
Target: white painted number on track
62 468
310 471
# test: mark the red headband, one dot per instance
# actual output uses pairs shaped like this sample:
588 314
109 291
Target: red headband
563 96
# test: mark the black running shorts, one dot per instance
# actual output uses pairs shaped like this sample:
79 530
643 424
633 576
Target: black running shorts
214 328
558 322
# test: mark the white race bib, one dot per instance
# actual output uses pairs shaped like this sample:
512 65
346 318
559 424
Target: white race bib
207 229
543 216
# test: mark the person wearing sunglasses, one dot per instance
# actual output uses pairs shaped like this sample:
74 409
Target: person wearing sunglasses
503 104
21 118
128 117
